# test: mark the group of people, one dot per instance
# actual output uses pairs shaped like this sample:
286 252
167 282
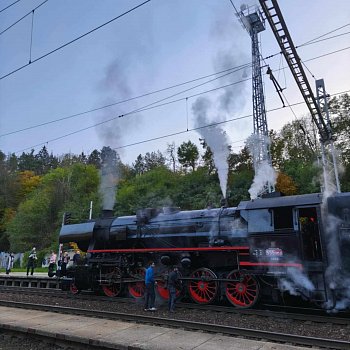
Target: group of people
62 262
32 262
172 284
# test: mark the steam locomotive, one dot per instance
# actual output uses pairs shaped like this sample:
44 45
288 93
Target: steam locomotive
262 248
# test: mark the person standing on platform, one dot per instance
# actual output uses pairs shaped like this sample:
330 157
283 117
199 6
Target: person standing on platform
64 262
52 264
173 282
9 263
76 257
150 294
31 261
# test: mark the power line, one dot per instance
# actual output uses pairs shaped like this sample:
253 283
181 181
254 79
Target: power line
74 40
172 134
318 41
163 89
13 24
9 6
323 35
142 109
227 71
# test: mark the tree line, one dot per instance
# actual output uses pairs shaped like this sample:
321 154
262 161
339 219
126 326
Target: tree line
37 188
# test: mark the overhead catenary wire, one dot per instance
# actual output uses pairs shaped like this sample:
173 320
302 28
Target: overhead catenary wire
5 8
136 111
23 17
224 73
142 109
160 90
168 135
312 41
310 59
31 38
72 41
68 43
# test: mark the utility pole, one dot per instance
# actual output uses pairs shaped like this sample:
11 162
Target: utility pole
252 21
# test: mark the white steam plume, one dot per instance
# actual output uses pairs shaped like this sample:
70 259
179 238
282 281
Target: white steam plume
265 175
114 87
296 282
216 138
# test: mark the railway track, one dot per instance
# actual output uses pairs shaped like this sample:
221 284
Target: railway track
315 317
151 318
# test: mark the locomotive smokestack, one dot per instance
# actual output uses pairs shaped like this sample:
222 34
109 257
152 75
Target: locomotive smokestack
106 213
223 203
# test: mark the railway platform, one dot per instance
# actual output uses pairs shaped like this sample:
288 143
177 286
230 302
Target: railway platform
20 279
121 335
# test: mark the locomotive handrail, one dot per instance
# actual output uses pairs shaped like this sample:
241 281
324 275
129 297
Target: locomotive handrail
146 250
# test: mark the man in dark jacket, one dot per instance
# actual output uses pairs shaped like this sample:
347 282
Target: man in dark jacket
173 282
31 261
77 257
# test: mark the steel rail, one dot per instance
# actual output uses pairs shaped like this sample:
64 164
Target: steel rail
292 315
189 325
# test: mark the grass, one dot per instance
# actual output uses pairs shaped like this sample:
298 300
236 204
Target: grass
24 269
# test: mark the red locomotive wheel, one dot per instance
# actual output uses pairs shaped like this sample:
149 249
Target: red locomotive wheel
112 290
137 289
203 289
111 285
73 288
243 292
163 292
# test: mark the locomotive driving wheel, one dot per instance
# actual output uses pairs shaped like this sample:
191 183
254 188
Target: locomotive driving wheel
111 284
73 288
164 292
243 291
137 289
202 288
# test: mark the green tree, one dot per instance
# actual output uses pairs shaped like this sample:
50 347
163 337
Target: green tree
207 157
154 160
139 165
171 151
188 155
151 189
43 161
27 161
38 218
95 159
238 185
339 108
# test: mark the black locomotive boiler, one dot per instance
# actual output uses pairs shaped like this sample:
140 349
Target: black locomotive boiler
261 248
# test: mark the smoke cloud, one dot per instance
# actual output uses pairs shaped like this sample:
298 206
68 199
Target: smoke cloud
296 282
108 184
336 277
114 87
265 175
215 137
228 101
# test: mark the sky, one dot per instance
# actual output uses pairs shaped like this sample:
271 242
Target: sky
159 45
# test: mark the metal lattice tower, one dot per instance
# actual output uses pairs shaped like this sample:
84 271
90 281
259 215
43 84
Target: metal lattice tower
329 159
317 107
254 24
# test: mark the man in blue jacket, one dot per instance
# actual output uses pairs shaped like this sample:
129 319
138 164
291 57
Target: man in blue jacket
150 283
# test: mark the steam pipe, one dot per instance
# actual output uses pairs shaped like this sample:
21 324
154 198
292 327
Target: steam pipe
90 211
